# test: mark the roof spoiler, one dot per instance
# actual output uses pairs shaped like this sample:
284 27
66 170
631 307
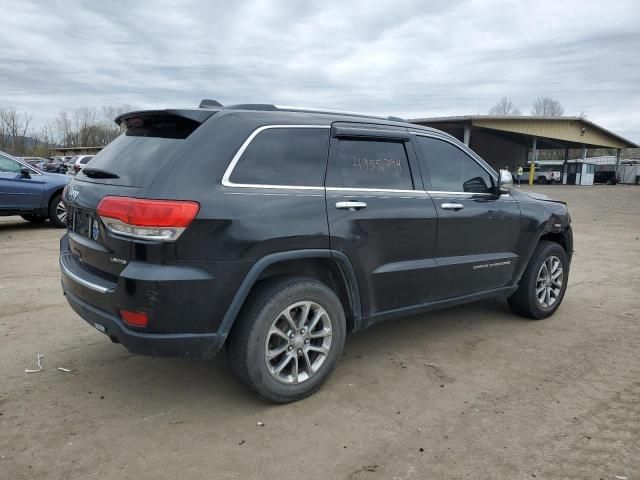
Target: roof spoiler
198 116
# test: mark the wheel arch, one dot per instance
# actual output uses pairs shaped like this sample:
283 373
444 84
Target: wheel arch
329 266
560 237
53 193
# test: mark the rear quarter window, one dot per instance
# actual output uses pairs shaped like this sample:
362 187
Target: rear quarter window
287 156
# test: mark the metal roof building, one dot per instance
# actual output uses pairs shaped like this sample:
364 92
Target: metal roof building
509 141
76 150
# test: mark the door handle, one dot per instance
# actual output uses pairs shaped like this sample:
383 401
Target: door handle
452 206
352 206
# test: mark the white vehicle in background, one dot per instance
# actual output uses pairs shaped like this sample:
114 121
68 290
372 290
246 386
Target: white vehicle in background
540 176
79 162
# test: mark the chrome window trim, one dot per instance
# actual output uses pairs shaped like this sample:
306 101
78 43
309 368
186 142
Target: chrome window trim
444 192
358 189
227 174
471 155
236 158
466 194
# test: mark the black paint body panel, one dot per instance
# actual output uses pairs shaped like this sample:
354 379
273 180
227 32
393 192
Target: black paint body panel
401 254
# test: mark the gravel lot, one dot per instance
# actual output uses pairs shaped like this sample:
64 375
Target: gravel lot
470 392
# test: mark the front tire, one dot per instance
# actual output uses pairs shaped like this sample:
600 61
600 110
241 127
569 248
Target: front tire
288 338
57 211
543 283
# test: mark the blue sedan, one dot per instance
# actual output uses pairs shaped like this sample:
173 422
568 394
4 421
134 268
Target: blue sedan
33 194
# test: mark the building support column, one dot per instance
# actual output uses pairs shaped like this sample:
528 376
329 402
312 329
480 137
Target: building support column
615 172
584 152
534 157
564 165
467 134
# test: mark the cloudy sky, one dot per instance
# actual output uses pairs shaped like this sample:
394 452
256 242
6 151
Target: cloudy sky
405 58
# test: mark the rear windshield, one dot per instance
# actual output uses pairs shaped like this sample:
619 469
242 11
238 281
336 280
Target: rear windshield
144 148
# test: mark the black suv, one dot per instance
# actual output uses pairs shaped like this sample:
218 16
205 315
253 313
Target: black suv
276 230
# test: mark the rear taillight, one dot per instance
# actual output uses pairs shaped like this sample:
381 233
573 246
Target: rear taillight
147 219
76 168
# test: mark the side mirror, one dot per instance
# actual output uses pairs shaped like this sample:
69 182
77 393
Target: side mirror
505 181
24 173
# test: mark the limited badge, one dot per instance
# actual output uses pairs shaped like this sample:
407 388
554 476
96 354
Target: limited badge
95 230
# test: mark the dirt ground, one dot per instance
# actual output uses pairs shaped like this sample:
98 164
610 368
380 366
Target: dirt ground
470 392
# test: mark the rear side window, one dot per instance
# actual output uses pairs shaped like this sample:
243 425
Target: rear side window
372 164
284 156
85 160
450 169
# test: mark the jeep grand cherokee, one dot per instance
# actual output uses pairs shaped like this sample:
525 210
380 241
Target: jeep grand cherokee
274 231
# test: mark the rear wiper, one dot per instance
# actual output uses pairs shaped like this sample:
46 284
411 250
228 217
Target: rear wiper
98 173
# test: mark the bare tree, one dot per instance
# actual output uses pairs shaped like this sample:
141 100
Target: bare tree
505 107
83 127
547 107
88 126
110 113
14 127
63 126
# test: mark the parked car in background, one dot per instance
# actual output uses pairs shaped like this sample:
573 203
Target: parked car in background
540 176
295 227
80 161
36 162
33 194
55 166
608 177
68 160
48 164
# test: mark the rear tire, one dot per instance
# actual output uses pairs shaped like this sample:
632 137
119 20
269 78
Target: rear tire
543 283
263 340
57 211
34 218
541 180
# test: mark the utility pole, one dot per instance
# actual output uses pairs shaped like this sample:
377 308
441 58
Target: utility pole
534 156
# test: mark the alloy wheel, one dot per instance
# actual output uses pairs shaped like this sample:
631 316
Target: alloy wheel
549 282
61 212
298 342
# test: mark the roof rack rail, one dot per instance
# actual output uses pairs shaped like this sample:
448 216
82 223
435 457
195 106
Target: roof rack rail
288 108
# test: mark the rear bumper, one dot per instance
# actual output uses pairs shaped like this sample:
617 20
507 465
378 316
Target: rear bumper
185 345
183 313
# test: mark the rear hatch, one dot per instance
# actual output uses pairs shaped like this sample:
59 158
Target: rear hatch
103 241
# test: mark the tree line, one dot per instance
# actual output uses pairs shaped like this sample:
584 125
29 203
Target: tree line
82 127
542 107
94 127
